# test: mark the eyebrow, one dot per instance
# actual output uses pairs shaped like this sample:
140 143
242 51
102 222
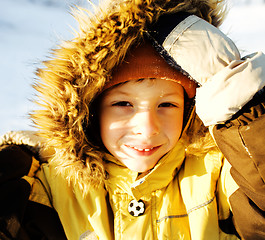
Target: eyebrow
118 92
162 95
122 92
172 93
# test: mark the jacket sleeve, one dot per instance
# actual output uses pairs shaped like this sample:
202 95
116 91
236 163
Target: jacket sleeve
241 140
21 218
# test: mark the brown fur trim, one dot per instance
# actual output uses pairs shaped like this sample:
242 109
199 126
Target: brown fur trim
78 69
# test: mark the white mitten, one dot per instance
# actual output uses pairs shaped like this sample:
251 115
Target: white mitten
212 59
199 48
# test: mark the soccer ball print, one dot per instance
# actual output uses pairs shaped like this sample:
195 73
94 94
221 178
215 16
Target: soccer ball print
136 208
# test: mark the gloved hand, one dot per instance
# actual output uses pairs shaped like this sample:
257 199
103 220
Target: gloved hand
15 162
211 59
21 218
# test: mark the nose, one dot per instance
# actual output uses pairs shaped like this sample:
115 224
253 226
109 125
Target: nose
145 123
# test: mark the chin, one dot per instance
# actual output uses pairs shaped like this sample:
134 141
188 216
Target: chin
139 169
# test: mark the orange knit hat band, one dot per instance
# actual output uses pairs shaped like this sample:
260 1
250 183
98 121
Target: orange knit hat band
144 62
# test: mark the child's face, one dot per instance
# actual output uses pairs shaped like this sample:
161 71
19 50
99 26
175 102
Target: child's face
141 121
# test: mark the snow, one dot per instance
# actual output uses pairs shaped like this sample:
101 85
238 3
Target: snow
245 25
30 28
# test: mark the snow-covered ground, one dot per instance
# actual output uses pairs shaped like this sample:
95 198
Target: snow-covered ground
30 28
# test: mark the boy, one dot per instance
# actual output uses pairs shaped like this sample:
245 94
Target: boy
122 153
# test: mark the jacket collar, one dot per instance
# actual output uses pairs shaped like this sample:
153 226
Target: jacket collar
123 180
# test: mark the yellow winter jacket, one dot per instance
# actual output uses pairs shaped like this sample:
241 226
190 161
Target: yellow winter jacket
184 197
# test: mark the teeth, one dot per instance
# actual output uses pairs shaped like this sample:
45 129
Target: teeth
143 150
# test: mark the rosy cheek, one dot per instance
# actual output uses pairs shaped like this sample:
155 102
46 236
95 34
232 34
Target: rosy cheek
104 129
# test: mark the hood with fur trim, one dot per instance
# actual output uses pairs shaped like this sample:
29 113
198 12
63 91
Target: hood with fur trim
79 69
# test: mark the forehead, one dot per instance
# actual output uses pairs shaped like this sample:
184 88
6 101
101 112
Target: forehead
143 86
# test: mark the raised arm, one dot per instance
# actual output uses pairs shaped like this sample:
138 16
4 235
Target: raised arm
230 99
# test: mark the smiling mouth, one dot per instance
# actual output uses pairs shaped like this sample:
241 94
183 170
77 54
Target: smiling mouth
143 151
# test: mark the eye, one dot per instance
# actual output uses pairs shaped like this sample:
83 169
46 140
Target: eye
122 104
167 105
